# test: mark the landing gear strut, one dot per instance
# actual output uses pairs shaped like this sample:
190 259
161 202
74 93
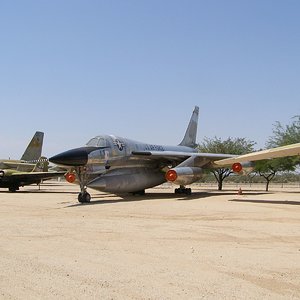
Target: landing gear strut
83 196
183 190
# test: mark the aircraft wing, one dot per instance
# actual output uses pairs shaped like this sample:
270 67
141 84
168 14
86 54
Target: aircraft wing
25 176
221 159
289 150
14 164
180 156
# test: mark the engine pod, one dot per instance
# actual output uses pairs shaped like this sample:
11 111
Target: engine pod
184 175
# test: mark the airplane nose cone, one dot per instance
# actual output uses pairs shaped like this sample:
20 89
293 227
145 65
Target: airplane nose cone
75 157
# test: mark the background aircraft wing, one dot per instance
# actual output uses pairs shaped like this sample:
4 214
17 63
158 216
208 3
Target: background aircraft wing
289 150
11 164
32 176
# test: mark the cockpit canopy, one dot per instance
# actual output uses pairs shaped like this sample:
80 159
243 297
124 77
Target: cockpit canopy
97 141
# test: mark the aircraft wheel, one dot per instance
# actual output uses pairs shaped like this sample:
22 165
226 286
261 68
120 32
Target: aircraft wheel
188 191
139 193
13 189
84 197
178 191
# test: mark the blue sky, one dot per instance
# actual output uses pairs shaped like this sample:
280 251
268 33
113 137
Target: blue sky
136 68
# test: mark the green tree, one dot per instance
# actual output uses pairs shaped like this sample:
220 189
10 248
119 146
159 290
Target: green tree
282 135
268 169
236 146
285 135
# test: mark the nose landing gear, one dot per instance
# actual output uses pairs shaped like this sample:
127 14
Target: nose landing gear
83 196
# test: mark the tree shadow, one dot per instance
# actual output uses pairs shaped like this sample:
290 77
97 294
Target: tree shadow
287 192
197 195
288 202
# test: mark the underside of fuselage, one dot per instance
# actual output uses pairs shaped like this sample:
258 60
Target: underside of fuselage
127 180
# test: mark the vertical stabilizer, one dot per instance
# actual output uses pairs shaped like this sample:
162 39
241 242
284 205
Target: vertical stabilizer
189 139
34 149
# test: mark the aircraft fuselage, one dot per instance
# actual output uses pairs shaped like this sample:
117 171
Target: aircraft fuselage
108 163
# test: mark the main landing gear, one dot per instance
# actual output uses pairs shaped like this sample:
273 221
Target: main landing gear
13 189
183 190
84 197
138 193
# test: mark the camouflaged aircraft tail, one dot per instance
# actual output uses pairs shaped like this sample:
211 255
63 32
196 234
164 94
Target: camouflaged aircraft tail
34 149
41 165
189 139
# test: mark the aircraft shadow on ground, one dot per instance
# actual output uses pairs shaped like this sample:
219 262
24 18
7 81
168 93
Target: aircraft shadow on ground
38 192
153 196
288 202
104 198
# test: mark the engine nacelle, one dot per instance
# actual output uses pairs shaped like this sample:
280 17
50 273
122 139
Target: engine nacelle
184 175
4 173
243 168
237 167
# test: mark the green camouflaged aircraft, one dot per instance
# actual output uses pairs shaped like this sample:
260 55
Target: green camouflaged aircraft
29 158
30 169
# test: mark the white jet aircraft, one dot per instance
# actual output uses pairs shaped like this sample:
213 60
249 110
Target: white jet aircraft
119 165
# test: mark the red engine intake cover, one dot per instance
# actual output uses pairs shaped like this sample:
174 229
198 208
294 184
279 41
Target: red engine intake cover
70 177
237 167
171 175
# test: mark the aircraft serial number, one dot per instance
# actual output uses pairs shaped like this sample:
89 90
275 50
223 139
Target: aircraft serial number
154 148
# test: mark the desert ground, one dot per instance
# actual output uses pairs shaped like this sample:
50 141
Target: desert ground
211 245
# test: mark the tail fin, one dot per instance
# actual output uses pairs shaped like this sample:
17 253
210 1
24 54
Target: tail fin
34 149
189 139
41 165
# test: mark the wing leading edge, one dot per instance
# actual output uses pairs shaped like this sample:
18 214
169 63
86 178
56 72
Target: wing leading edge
284 151
181 156
220 160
